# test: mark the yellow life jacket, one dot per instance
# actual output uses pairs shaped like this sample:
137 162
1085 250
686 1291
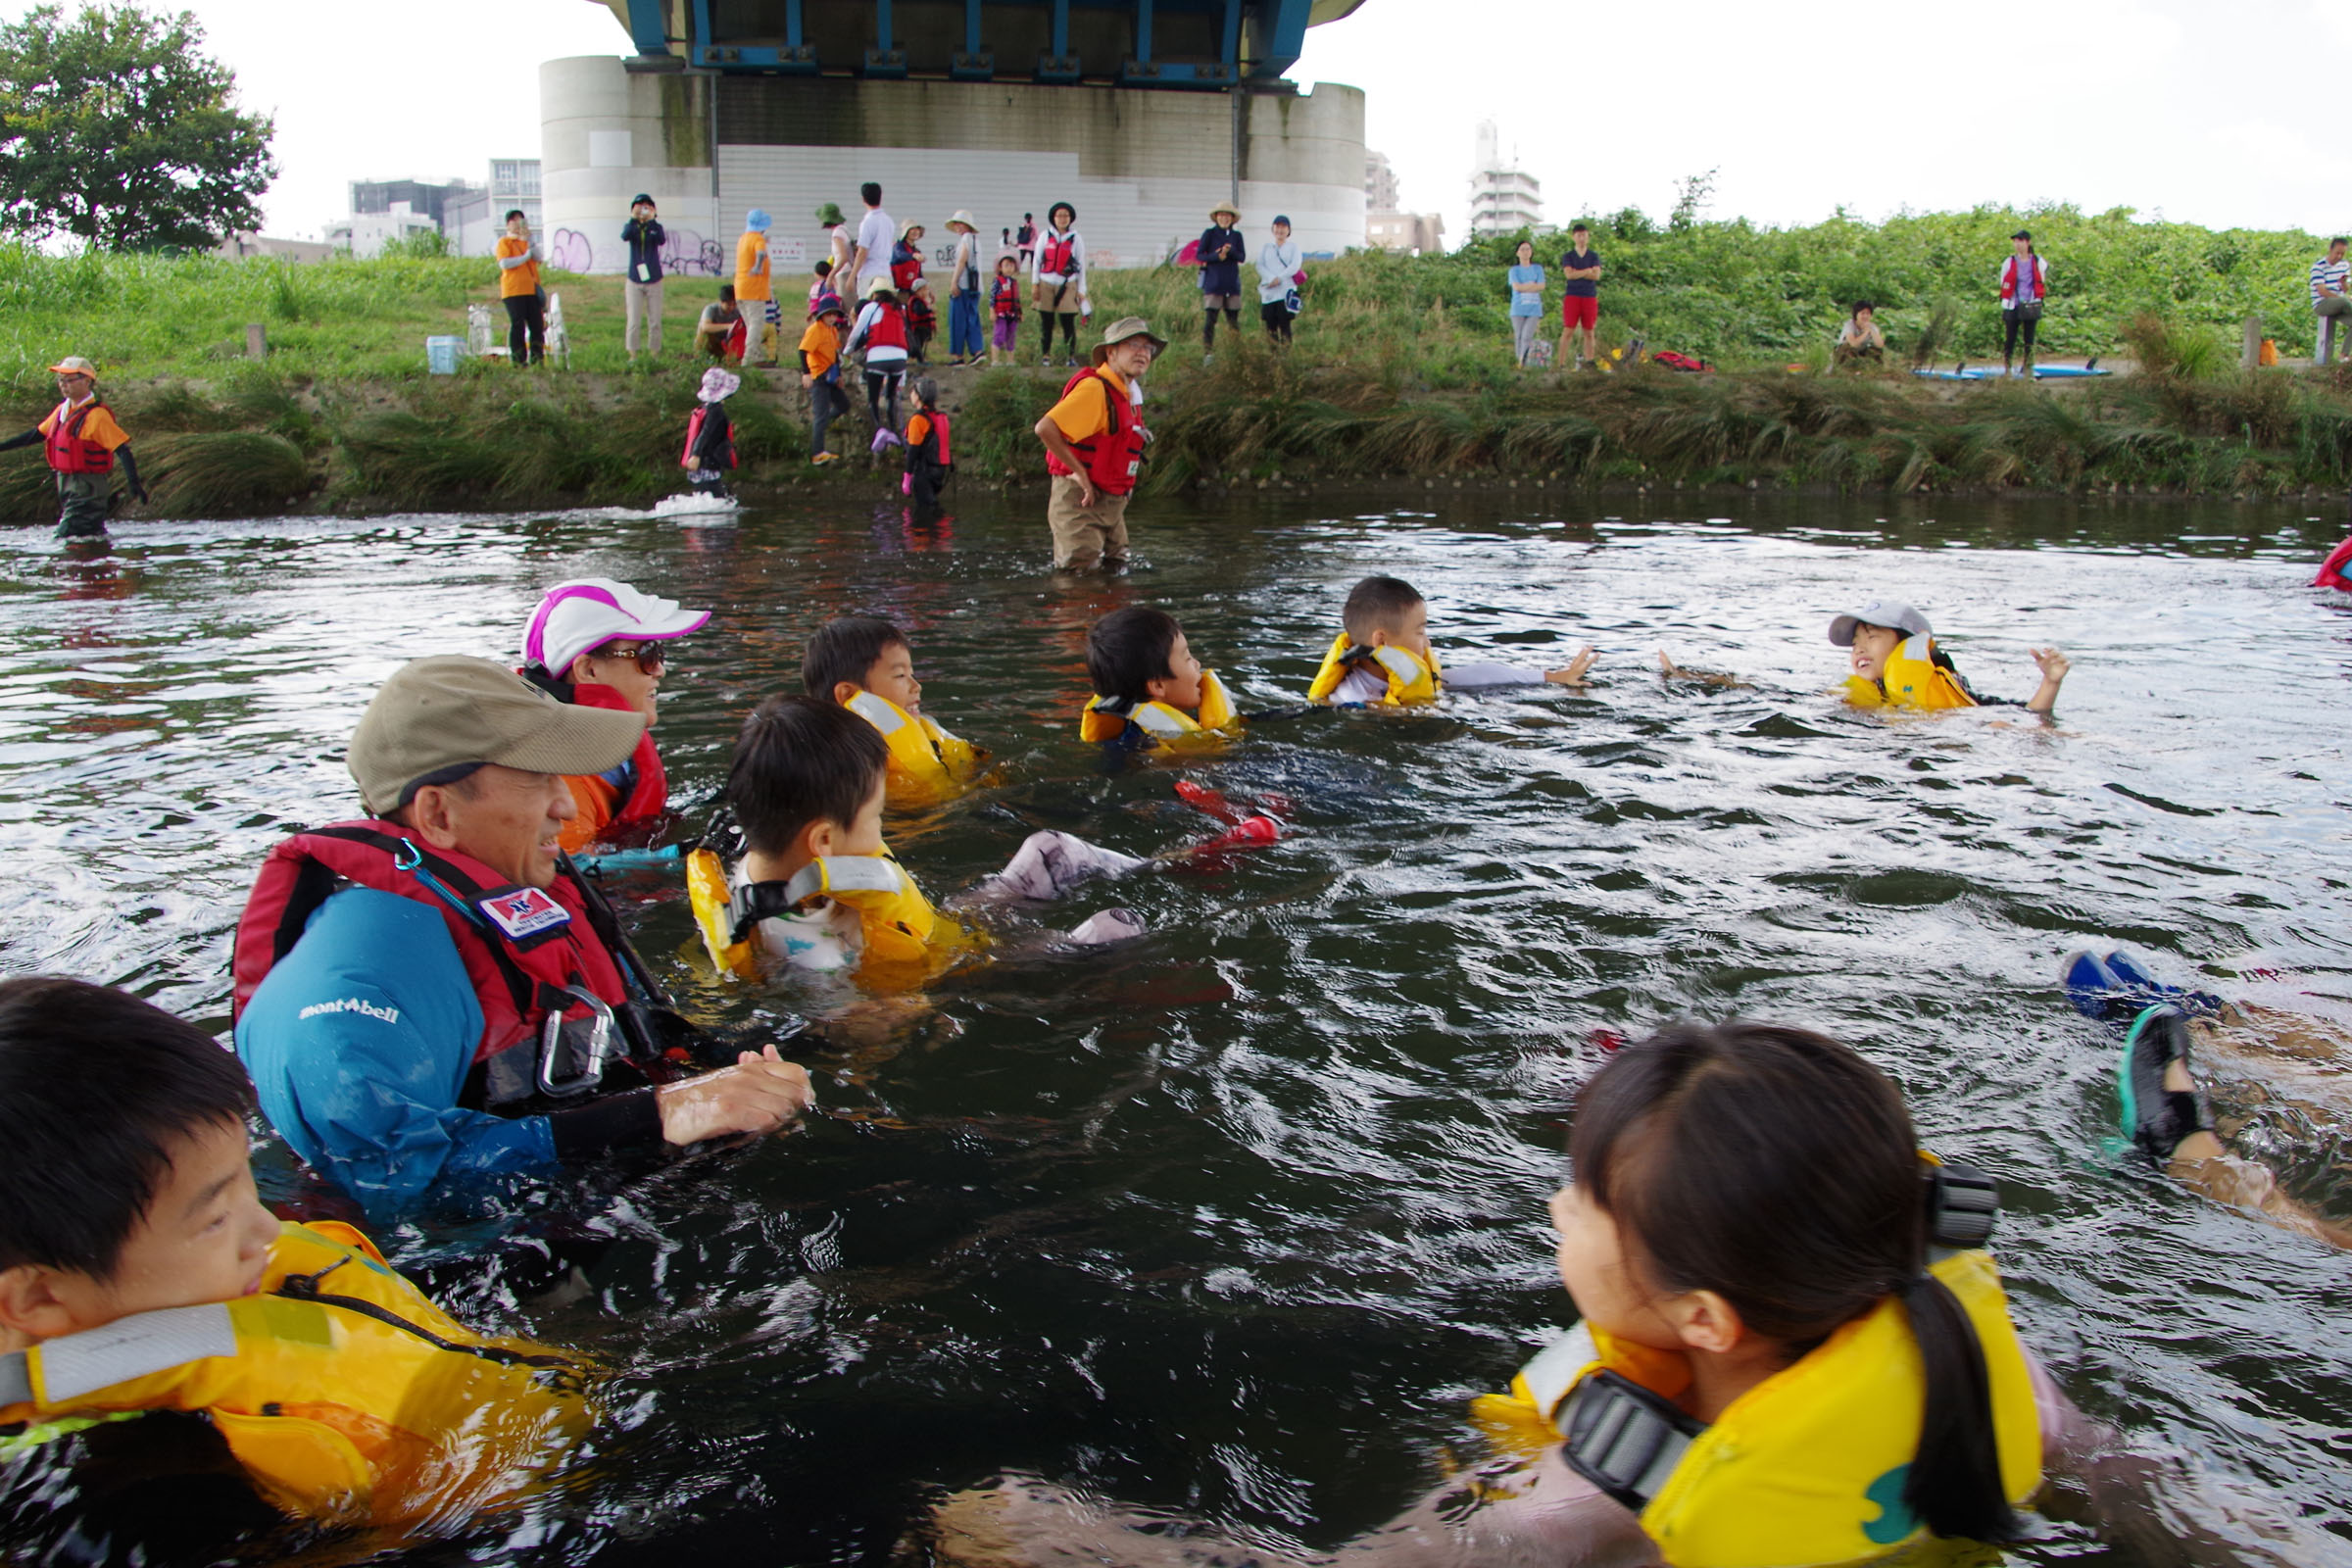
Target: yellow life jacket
1808 1466
926 762
897 923
1106 718
1912 679
1409 679
343 1392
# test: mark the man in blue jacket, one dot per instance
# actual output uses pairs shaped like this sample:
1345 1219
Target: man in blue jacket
427 996
641 290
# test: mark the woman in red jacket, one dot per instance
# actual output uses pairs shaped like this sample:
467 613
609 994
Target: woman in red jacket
602 644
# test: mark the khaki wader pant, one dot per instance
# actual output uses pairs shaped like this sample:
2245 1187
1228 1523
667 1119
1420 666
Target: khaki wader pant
1085 536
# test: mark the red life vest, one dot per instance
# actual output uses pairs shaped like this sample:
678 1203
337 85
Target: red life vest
694 433
517 978
906 268
889 330
1006 297
2332 570
935 441
1058 255
649 795
2013 277
65 448
1113 453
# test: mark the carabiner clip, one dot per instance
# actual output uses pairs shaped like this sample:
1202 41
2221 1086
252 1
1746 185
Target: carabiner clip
599 1047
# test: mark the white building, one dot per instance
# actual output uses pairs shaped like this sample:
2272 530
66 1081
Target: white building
1504 198
1381 191
366 234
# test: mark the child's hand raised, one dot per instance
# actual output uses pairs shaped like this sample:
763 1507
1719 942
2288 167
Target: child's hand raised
1574 674
2052 664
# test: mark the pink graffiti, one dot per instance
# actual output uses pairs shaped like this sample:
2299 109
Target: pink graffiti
689 255
570 251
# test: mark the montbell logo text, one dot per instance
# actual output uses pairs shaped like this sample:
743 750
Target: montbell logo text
351 1005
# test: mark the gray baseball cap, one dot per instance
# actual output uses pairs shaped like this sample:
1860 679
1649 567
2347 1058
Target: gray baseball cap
447 710
1892 613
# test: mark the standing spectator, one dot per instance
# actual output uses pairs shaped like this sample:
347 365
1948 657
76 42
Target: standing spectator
714 330
875 236
1221 254
519 287
642 289
2327 298
82 442
1860 340
1280 267
1527 302
755 290
913 289
1094 441
2024 281
1580 296
881 331
1005 304
1025 242
820 373
838 248
1057 275
963 291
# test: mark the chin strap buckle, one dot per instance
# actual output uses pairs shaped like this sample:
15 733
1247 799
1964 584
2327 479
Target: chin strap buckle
1622 1437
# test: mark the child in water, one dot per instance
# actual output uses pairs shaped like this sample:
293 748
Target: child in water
865 663
1149 687
1382 656
817 886
930 459
1795 1349
711 435
1897 665
139 1273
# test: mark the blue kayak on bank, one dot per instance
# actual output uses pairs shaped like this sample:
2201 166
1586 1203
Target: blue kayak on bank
2042 372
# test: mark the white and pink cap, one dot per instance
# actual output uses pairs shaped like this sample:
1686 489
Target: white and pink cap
587 613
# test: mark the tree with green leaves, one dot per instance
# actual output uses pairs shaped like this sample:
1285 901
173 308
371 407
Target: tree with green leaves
115 127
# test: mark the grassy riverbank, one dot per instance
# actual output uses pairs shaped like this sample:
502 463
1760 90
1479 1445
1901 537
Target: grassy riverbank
1401 370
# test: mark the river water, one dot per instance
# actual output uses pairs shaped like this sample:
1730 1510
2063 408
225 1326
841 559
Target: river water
1233 1219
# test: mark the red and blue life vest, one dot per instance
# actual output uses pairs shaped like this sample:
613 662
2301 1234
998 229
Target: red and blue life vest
1005 298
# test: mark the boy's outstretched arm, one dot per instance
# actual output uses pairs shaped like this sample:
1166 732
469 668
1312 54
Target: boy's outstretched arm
1674 672
2053 665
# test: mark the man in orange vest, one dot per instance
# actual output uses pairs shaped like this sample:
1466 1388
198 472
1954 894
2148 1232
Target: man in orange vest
1094 440
82 441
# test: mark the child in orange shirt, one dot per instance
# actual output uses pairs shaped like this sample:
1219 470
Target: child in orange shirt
820 372
519 286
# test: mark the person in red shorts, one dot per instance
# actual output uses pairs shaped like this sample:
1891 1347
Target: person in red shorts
1579 303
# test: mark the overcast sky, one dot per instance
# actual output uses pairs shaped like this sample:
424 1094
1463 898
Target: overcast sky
2211 113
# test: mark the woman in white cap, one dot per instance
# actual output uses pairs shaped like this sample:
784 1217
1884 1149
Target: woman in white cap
598 643
963 291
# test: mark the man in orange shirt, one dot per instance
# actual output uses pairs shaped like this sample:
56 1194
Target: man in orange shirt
82 441
1094 439
519 286
755 291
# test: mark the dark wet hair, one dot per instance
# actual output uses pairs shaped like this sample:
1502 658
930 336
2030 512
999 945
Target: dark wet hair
96 1088
1377 604
846 648
1777 1168
1127 648
800 761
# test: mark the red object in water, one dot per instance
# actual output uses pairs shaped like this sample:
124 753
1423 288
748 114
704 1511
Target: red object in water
1609 1038
1201 797
2333 572
1250 833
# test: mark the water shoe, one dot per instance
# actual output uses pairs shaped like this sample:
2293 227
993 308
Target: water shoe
2196 1004
2157 1118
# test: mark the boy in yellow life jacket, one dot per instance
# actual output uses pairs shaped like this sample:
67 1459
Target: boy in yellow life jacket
818 889
865 663
1896 664
1382 657
140 1274
1150 689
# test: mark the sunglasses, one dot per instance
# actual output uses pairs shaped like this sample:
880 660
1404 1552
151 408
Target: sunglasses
650 657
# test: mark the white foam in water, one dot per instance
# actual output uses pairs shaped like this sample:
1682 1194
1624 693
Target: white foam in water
698 512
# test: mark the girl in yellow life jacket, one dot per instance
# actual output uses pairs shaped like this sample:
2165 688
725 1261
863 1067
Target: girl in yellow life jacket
1896 664
1146 678
865 663
1382 657
1822 1399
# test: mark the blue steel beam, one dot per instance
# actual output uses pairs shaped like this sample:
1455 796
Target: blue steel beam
1142 31
647 30
1281 37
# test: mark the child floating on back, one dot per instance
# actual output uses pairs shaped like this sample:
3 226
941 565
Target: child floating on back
1897 665
1149 688
866 665
139 1273
819 889
1382 656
